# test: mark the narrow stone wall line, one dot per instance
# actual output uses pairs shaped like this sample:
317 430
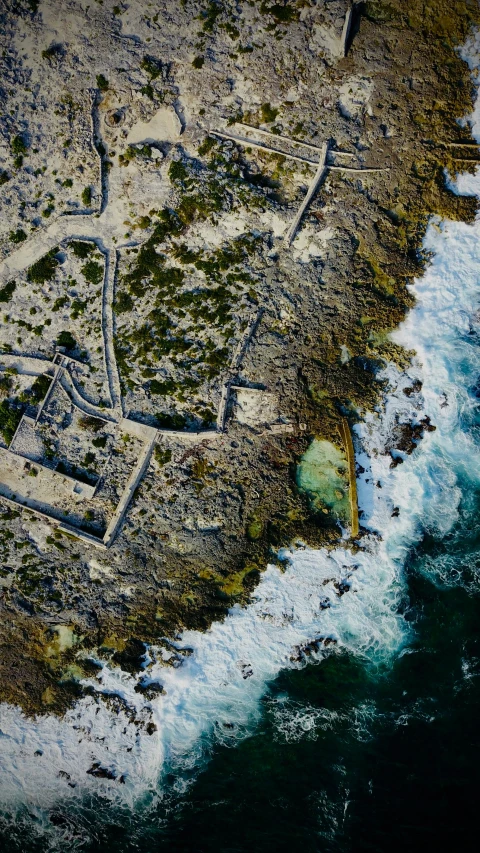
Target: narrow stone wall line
80 403
133 483
319 175
347 25
58 372
246 142
108 330
244 342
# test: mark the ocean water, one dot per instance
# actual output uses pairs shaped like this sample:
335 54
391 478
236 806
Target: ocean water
339 710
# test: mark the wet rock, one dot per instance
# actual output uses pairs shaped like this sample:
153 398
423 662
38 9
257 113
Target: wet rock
150 689
131 658
101 772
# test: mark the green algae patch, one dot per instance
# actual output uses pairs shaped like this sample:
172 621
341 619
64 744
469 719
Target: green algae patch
322 474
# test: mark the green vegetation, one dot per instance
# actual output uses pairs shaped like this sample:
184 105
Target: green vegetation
192 328
163 455
282 13
166 387
100 441
134 151
196 305
5 383
19 146
198 62
102 83
44 269
149 91
10 416
38 390
66 339
171 421
93 272
55 50
268 113
254 528
87 196
210 15
18 236
77 308
7 291
124 302
177 171
90 422
4 177
82 249
151 66
60 303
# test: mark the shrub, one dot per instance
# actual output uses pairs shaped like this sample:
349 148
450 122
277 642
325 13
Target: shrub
100 441
177 171
169 421
39 388
102 82
198 62
78 307
93 272
82 249
210 16
162 455
66 339
59 303
18 236
55 50
166 387
151 66
87 196
10 415
89 422
123 303
44 269
268 113
148 91
19 145
7 291
283 14
206 146
4 177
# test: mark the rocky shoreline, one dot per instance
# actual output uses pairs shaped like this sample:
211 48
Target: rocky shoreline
209 515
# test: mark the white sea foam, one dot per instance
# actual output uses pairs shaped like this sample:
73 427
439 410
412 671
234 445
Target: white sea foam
215 694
